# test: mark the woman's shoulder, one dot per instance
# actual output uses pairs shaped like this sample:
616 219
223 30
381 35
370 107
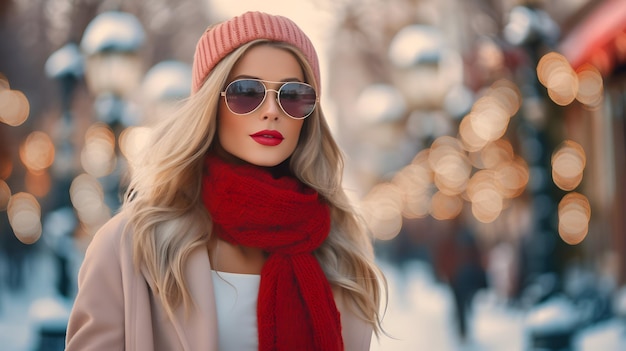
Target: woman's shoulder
112 235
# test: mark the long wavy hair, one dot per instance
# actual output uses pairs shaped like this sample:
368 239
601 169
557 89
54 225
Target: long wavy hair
169 221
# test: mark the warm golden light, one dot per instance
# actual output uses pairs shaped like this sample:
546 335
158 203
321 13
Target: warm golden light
87 196
488 118
98 156
568 164
512 177
37 151
496 153
574 214
471 141
453 174
556 74
415 182
590 87
382 209
484 193
445 206
133 141
547 64
14 107
5 195
507 94
450 165
24 214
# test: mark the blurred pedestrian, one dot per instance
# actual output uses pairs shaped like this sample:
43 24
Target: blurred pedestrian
459 263
16 256
502 271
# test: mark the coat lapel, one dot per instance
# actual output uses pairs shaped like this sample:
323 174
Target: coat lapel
197 328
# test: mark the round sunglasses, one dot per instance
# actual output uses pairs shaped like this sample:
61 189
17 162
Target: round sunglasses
244 96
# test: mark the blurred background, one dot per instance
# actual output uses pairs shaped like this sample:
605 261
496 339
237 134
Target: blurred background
484 142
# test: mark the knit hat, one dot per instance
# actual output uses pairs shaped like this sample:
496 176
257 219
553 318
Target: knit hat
220 40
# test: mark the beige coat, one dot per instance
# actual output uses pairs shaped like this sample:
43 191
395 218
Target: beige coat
116 310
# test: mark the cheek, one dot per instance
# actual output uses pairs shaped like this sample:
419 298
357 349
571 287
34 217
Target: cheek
294 130
229 129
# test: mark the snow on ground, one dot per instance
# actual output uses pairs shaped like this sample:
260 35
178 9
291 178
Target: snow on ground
17 318
418 317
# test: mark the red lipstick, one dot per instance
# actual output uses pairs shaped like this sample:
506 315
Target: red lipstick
268 137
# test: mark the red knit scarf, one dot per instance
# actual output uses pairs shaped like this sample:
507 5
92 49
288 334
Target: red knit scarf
296 309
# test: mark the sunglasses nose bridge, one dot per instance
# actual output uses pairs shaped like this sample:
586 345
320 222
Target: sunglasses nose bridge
274 90
276 98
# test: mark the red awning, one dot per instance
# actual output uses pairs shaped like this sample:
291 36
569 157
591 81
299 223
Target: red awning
600 38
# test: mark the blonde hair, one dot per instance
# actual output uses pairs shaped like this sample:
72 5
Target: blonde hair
169 219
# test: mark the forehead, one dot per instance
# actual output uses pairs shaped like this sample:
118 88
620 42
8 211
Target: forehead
269 63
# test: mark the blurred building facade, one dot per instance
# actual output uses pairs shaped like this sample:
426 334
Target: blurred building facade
409 76
79 118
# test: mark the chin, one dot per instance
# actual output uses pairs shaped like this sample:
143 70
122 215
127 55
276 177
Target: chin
264 162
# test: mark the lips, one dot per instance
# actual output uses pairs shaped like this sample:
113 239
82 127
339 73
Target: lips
268 137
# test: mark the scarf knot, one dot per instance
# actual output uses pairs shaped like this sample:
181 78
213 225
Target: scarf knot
249 207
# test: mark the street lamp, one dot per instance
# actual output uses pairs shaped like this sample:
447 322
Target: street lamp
49 315
113 67
113 73
66 66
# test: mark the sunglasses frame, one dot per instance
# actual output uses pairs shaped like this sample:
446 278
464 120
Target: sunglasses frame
263 82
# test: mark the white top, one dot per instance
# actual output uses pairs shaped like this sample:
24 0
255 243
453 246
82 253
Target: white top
236 299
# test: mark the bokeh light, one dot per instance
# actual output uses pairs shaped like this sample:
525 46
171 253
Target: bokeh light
470 139
439 179
382 211
512 177
133 141
37 152
574 214
87 196
490 115
14 107
568 164
98 156
485 196
488 119
507 94
444 206
557 75
496 153
5 195
415 184
450 165
24 214
590 86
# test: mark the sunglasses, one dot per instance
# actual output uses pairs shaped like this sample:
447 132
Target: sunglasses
244 96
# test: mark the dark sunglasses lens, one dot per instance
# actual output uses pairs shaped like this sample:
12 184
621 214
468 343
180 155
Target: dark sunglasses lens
244 96
297 99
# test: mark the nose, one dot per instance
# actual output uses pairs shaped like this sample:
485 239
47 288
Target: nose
270 109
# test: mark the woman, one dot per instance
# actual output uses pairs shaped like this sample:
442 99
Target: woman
236 234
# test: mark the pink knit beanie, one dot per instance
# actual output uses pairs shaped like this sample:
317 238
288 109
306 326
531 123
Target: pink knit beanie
220 40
